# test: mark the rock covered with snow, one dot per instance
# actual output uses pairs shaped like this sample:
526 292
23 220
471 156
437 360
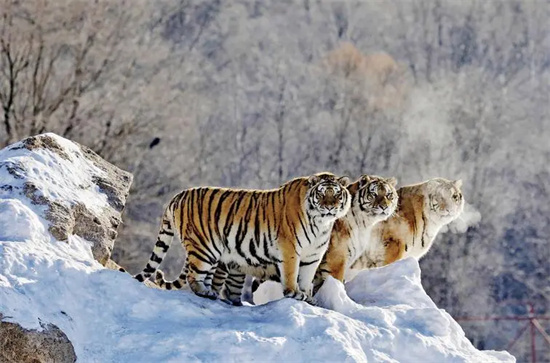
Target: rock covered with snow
80 193
382 315
52 191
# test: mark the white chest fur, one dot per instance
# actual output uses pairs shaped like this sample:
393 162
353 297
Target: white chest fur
360 227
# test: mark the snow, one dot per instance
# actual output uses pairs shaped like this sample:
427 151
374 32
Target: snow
382 315
58 179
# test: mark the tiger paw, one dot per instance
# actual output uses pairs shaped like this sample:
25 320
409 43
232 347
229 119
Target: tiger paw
231 302
301 296
207 294
311 300
236 302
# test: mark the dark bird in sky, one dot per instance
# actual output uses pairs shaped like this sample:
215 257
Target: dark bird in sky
154 143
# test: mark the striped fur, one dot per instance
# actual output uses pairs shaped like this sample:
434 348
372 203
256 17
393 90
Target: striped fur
279 232
373 200
421 212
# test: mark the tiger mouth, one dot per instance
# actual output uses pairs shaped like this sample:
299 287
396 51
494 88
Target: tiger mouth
330 213
376 212
448 214
371 210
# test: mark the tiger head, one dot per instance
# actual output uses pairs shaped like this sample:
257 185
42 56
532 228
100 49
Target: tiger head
374 196
328 197
445 201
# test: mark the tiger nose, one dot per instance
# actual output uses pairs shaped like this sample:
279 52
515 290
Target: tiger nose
330 201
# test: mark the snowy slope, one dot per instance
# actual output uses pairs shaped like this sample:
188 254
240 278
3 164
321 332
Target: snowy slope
382 315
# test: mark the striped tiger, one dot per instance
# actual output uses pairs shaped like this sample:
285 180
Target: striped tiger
373 200
421 212
279 232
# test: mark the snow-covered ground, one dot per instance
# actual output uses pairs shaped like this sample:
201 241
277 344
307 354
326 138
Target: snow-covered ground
382 315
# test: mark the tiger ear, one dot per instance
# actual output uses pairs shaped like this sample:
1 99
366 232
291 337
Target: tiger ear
457 183
365 179
360 183
344 181
312 180
392 181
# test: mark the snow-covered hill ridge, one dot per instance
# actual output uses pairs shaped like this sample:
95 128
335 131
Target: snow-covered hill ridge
382 315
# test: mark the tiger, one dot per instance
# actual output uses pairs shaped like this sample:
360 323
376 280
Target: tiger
373 200
423 209
280 232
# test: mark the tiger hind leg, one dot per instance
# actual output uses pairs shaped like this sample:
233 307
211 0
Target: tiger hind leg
210 277
234 287
220 276
197 277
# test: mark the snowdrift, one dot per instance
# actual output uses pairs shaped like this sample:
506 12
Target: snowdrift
382 315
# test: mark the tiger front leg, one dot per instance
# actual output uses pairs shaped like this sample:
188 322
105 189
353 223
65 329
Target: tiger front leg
324 271
308 268
228 283
289 273
306 274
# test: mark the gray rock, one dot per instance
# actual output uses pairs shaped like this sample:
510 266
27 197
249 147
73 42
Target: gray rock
65 219
18 345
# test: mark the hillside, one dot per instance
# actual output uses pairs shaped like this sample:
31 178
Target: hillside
382 315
